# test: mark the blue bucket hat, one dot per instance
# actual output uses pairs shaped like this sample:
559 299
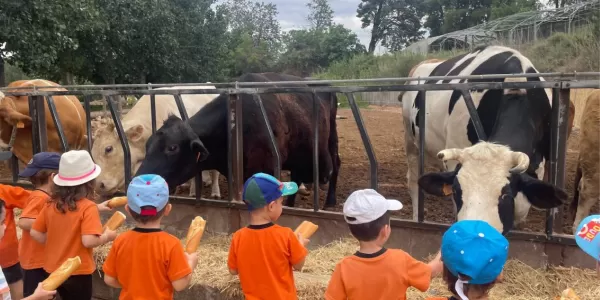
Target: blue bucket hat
588 236
475 249
147 190
40 161
262 189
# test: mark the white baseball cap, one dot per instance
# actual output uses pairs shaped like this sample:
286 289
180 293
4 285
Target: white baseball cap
367 206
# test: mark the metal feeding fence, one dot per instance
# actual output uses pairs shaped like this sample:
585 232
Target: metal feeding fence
560 84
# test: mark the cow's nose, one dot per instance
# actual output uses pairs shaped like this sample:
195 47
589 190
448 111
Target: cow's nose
102 186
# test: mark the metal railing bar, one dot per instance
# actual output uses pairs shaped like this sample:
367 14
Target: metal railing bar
57 123
230 122
274 147
315 119
122 138
88 117
185 117
365 80
181 107
421 119
474 115
323 89
14 168
35 130
364 135
153 112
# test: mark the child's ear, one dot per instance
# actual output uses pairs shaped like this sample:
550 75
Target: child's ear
500 277
167 209
127 210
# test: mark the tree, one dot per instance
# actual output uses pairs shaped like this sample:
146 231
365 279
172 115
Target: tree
396 23
320 15
503 8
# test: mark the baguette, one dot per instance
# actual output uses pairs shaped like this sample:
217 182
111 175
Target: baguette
306 229
117 219
61 274
117 202
194 234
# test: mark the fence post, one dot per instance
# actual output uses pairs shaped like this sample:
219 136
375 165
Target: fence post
236 148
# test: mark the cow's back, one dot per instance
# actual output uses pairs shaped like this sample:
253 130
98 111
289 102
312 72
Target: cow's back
70 113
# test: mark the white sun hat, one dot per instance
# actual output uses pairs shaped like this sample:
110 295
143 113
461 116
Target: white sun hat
76 167
367 205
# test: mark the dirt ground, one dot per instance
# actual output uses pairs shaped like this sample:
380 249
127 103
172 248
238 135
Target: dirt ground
384 125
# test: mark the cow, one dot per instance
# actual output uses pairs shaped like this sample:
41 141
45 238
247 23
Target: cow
180 148
14 111
496 181
587 180
137 125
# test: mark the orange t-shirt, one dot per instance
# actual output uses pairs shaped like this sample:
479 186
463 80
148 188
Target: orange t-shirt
386 274
264 255
31 253
64 233
14 197
145 262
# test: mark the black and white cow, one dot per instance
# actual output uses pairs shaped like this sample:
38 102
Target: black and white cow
498 180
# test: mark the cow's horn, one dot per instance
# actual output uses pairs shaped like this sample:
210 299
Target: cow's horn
450 154
520 161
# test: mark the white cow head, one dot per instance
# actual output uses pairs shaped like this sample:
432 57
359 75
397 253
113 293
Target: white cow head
486 182
108 153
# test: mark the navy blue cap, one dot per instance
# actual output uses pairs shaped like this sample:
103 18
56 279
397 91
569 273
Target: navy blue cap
42 160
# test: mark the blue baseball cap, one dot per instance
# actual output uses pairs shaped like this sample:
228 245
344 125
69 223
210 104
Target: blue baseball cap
588 236
147 190
262 189
42 160
475 249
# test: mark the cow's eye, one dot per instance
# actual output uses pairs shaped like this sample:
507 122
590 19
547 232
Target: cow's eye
172 148
108 149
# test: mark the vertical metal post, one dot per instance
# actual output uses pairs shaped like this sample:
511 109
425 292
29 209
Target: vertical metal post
41 120
315 119
373 165
57 124
421 200
153 111
181 107
473 114
230 120
35 129
237 145
274 147
558 146
185 117
14 167
88 118
122 138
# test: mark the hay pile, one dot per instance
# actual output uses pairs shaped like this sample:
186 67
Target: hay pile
520 281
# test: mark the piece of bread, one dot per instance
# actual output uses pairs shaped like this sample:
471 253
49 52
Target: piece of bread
567 294
117 202
61 274
117 219
306 229
195 232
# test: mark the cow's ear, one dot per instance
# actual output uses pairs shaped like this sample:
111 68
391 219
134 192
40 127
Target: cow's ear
438 184
541 194
199 149
135 132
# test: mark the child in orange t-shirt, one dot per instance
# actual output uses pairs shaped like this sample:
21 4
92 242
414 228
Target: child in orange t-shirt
375 272
146 262
14 197
263 254
40 171
70 224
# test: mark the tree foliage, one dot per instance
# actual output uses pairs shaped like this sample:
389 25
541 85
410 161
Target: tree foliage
320 15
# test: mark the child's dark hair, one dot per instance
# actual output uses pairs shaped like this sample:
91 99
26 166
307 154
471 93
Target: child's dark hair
1 206
145 219
471 290
369 231
42 177
66 197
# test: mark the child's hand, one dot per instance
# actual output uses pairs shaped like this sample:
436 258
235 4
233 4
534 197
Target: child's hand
302 240
40 293
111 235
192 259
104 206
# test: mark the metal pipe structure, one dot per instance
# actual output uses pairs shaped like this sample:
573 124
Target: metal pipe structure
374 167
420 215
340 81
88 122
153 112
474 115
315 121
57 124
122 138
184 117
35 129
274 147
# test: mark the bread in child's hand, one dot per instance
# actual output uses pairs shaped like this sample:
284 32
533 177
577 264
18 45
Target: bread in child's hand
117 202
194 234
306 229
61 274
117 219
567 294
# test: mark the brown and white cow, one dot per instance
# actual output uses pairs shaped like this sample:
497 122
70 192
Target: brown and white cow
137 125
587 181
15 109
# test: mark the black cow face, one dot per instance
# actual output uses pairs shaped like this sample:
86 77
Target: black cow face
173 152
489 191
